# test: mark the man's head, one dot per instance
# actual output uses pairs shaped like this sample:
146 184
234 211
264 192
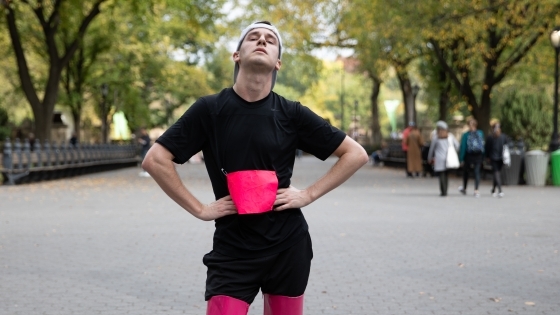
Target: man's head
473 124
497 129
259 38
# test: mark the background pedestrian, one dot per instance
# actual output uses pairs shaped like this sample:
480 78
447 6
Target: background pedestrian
414 154
439 147
494 150
471 156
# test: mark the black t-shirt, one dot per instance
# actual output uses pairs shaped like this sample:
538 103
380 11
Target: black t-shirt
237 135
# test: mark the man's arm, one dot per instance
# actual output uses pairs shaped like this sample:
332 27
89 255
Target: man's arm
351 156
159 163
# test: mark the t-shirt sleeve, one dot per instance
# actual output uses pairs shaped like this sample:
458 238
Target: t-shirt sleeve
315 135
187 136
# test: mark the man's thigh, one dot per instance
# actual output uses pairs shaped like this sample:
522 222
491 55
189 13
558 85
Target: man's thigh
289 274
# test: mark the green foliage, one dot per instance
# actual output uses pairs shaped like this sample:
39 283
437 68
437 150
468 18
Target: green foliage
219 65
299 71
528 117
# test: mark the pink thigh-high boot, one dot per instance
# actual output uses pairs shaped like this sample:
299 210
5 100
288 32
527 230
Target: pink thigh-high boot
283 305
225 305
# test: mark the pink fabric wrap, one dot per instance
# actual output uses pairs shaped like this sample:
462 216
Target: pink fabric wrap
253 191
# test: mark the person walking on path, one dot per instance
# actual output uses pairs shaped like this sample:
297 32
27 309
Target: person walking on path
404 145
494 149
248 135
471 155
414 154
439 147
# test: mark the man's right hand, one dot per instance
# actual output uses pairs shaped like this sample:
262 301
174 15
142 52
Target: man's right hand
217 209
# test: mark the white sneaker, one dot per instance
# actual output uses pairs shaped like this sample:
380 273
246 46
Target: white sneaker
501 195
476 194
494 194
144 174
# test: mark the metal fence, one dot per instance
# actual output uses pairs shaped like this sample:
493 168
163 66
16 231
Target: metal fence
22 162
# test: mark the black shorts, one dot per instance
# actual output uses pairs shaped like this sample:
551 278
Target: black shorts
285 273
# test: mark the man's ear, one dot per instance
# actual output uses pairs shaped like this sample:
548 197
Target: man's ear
235 56
278 65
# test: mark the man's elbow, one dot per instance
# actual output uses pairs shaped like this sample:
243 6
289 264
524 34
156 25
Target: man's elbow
148 162
362 156
358 154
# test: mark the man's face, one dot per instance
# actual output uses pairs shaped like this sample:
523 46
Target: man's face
259 48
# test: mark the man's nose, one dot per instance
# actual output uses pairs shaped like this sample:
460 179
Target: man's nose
262 40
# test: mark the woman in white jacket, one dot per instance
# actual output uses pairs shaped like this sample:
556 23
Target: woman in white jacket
441 143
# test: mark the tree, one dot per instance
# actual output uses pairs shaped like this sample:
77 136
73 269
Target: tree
75 80
486 40
47 19
361 28
381 37
125 54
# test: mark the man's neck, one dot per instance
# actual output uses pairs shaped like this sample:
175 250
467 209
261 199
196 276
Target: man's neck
253 88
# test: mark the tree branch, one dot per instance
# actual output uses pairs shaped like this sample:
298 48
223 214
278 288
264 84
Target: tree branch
456 17
54 18
440 57
518 54
71 49
23 68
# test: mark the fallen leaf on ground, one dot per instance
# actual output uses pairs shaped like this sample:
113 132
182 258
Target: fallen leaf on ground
530 303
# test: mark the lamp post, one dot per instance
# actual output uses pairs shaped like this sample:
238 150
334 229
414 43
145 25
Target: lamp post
555 41
415 90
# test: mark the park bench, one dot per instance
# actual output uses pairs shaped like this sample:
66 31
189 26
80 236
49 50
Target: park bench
21 163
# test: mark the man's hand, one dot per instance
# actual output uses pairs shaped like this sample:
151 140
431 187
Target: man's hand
291 197
217 209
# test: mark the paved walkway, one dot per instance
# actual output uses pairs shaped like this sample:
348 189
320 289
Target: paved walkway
113 243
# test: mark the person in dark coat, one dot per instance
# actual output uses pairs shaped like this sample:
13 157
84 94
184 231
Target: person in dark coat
494 149
471 155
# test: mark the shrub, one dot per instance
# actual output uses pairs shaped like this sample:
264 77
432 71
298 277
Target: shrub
528 117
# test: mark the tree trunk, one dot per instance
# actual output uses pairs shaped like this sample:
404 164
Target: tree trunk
483 112
443 95
43 109
104 121
377 137
408 97
77 117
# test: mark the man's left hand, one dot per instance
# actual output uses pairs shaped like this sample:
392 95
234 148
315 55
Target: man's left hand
291 197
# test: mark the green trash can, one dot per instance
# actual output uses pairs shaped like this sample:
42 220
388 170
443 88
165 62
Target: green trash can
555 167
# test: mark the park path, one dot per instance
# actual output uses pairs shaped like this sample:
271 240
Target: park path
113 243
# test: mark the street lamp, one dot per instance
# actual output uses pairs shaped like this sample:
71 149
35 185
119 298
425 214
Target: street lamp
555 41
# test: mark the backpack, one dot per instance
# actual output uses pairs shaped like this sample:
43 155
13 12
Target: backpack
475 144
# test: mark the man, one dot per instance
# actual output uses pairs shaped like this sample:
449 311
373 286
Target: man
248 129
